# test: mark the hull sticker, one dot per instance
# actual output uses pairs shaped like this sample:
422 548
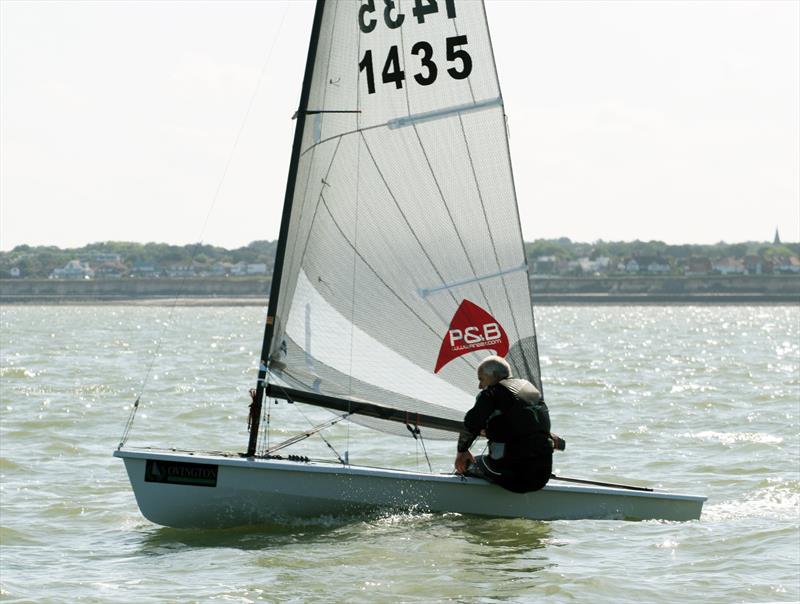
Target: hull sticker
180 472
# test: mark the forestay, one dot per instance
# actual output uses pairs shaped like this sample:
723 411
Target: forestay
401 262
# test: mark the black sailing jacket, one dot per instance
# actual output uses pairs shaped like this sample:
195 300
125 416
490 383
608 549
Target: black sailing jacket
511 412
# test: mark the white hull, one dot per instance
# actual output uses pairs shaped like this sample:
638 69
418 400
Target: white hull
254 491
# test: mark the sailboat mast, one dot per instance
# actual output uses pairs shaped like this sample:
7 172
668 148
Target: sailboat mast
285 219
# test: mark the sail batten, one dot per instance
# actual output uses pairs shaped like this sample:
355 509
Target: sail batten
427 291
428 116
402 190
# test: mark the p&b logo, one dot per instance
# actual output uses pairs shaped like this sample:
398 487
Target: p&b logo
471 329
488 332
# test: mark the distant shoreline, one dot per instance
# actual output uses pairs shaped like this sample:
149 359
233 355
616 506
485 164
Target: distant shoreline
710 289
541 300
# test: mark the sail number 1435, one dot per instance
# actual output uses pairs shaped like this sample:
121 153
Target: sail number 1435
457 57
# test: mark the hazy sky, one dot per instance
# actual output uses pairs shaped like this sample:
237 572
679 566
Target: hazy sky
677 121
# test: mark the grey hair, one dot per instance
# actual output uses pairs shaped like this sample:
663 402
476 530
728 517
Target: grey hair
495 366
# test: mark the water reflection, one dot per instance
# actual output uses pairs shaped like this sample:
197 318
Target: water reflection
496 542
516 547
160 540
504 532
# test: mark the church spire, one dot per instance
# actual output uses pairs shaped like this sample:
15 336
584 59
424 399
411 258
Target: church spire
777 240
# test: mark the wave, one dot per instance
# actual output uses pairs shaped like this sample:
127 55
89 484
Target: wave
16 372
729 438
778 501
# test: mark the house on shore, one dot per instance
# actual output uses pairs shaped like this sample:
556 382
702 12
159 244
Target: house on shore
729 266
181 271
111 270
74 269
654 265
787 265
145 270
697 265
242 268
756 265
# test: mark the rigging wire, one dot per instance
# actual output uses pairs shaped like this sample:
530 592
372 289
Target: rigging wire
128 425
303 435
265 426
314 429
182 284
417 434
325 440
268 422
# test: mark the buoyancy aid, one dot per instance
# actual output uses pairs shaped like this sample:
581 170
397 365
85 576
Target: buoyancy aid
519 424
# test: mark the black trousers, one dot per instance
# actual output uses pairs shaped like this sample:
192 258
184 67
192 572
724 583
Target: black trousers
518 475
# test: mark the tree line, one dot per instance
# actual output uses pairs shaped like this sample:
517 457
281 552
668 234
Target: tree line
40 261
565 249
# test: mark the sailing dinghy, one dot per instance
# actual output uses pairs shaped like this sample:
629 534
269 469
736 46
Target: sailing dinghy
400 265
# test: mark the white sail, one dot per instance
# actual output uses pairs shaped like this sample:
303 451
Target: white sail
403 208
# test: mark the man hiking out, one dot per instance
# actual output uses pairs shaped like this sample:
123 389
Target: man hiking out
512 415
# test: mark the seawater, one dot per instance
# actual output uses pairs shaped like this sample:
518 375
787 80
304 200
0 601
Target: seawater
696 399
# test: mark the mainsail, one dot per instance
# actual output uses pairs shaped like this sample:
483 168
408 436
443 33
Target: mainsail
401 262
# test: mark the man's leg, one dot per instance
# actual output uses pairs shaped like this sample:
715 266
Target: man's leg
481 469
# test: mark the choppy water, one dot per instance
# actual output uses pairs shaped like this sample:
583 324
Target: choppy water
691 399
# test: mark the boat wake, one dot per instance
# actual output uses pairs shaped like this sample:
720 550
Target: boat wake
779 501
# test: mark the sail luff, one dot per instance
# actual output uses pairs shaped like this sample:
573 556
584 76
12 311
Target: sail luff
284 230
537 371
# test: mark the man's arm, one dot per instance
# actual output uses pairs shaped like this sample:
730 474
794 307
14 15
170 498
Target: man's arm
476 418
465 440
475 421
464 457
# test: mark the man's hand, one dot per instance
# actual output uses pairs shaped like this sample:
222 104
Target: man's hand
463 460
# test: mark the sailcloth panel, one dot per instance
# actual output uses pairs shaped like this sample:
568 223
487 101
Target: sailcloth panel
404 214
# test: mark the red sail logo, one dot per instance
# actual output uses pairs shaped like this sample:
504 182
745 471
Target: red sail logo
471 329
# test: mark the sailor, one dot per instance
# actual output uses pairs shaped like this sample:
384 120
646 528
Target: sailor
512 415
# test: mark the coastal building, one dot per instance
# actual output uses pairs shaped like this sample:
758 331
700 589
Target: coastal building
110 270
144 270
242 268
107 257
631 266
549 265
787 265
729 266
220 269
181 271
756 265
653 264
602 264
697 265
587 266
74 269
